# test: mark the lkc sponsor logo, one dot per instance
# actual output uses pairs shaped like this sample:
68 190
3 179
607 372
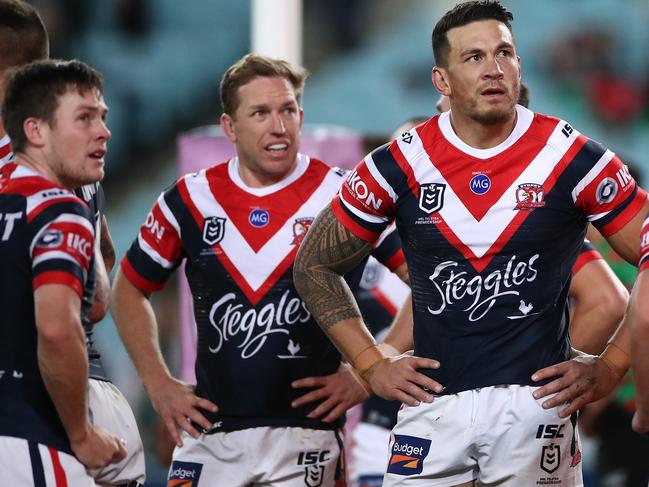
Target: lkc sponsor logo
407 455
184 474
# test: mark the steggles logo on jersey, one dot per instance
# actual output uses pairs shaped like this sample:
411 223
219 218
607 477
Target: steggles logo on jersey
480 184
253 327
213 230
482 293
606 191
300 227
529 196
258 218
431 197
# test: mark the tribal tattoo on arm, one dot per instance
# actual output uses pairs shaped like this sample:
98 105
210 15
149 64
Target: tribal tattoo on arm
327 253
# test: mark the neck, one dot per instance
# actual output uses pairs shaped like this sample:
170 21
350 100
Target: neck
38 164
260 179
480 135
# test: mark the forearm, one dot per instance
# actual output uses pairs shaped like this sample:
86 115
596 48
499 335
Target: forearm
400 334
138 330
107 246
326 254
638 321
62 356
102 291
597 310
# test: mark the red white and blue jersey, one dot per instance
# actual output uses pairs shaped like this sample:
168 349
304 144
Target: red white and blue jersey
588 254
643 263
46 237
6 155
490 237
254 333
93 195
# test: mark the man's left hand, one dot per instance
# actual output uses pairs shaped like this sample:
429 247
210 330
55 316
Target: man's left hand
578 381
339 392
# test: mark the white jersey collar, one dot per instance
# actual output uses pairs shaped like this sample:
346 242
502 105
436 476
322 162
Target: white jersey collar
523 121
300 169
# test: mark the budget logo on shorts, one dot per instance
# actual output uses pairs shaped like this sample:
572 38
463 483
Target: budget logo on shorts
550 458
258 218
213 230
431 197
184 474
480 184
529 196
407 455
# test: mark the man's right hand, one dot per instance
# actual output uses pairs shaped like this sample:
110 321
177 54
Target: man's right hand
178 407
98 448
398 378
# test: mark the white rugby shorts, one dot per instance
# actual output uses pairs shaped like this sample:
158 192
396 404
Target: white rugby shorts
25 463
273 456
110 410
369 452
496 435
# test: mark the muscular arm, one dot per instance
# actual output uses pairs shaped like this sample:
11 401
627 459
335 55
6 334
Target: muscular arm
136 323
62 355
597 309
586 379
63 363
638 320
328 251
106 245
104 262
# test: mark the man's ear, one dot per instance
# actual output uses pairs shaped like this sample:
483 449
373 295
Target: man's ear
227 124
440 81
36 131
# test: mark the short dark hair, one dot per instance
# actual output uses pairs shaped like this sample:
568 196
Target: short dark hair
252 66
34 90
23 37
462 14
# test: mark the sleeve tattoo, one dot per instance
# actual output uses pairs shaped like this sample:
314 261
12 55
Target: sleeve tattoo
327 253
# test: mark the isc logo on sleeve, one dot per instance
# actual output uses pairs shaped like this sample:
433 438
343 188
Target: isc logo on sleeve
184 474
407 455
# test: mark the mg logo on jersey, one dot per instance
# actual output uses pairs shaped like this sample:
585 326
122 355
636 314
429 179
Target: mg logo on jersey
606 191
184 474
258 218
431 197
529 196
407 455
550 458
213 230
480 184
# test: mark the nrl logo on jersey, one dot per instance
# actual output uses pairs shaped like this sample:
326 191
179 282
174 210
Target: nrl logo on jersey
300 227
213 230
529 196
431 197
